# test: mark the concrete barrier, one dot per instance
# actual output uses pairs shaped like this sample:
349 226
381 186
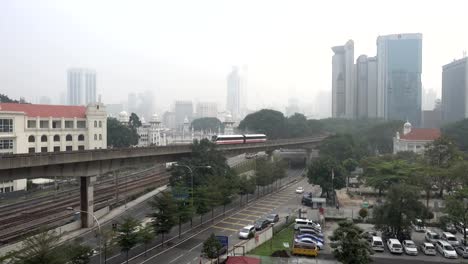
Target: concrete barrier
244 247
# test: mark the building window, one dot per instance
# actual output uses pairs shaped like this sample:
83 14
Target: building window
69 138
56 138
44 124
100 137
69 148
100 123
31 123
56 149
81 138
31 150
43 138
57 124
69 124
31 139
95 123
6 125
81 124
95 136
6 143
80 147
44 149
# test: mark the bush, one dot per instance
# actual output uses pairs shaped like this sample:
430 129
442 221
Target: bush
363 213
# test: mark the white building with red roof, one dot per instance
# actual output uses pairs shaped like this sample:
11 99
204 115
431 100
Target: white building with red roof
414 139
31 128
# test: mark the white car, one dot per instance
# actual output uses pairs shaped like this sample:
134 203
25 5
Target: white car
394 246
245 232
450 238
307 240
428 249
410 248
446 250
300 190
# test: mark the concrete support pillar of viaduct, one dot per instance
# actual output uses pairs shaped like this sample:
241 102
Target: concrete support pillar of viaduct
87 200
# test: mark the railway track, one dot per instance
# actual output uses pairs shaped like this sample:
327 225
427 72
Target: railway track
26 217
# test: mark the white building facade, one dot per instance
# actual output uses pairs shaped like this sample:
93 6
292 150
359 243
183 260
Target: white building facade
29 128
414 139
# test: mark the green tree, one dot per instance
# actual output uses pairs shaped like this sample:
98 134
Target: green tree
184 213
456 206
320 173
341 147
457 132
207 124
40 249
146 235
401 206
127 236
164 213
119 135
269 122
78 253
363 213
296 126
349 165
246 187
349 246
211 247
108 242
5 99
379 137
134 122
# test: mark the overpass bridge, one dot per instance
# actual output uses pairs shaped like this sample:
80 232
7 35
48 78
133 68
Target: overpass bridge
89 163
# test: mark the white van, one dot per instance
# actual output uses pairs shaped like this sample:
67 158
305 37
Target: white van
306 223
377 244
394 246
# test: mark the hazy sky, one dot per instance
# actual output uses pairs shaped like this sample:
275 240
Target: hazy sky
184 49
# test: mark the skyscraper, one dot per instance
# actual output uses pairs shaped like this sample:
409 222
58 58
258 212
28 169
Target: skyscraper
183 109
344 94
399 58
455 90
366 87
233 99
207 109
81 86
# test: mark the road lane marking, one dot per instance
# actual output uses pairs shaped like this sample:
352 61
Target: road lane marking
259 210
247 214
231 223
225 228
241 219
176 258
265 207
196 246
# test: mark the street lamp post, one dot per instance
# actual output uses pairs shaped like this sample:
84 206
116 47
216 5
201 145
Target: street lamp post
191 176
99 228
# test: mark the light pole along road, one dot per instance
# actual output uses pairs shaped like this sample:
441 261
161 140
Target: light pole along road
191 177
99 228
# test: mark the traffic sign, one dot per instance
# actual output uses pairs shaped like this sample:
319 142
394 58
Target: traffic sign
224 240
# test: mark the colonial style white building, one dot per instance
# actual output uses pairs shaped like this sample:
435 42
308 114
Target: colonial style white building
414 139
30 128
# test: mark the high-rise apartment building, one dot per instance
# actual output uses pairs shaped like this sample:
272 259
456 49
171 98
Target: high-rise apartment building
344 94
399 58
81 86
207 109
429 98
366 87
455 90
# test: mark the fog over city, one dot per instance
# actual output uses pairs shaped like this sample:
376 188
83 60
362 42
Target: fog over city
184 50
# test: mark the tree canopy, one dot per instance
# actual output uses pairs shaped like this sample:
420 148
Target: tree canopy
457 132
134 122
456 206
349 246
119 135
207 124
269 122
320 173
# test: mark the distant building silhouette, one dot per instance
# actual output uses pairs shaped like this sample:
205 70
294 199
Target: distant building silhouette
455 90
81 86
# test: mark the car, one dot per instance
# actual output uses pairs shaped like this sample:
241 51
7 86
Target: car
450 227
428 249
431 236
418 225
377 244
462 251
261 224
410 247
445 249
299 222
247 232
368 235
394 246
303 231
461 227
307 240
299 190
273 218
314 237
450 238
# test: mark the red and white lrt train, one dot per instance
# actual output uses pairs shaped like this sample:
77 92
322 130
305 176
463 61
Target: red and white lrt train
239 139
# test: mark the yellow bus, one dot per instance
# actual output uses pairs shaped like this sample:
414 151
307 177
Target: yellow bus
305 249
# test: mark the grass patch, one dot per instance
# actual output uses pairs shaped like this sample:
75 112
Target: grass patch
276 243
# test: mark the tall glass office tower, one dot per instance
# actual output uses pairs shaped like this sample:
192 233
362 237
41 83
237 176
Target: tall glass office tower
399 58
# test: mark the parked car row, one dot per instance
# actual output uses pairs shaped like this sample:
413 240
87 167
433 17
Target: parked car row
262 223
308 232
